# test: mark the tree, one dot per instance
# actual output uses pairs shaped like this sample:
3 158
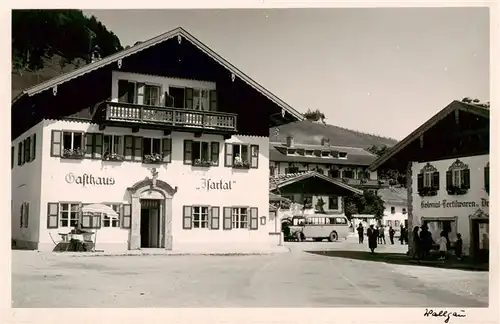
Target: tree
39 34
369 203
315 115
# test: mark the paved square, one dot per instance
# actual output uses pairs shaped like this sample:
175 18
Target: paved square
295 279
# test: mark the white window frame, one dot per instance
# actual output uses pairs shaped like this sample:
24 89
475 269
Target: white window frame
112 144
111 222
240 219
72 140
428 179
70 217
209 149
151 86
199 99
200 217
456 177
249 157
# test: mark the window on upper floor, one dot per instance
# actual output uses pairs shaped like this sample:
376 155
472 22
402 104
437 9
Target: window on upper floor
201 153
404 211
393 210
112 147
342 155
309 153
333 202
349 174
20 153
325 154
291 170
138 93
72 144
457 178
241 156
191 98
428 181
335 173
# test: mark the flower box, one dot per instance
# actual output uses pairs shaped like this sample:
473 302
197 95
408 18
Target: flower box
113 157
202 163
241 165
454 190
153 158
427 192
76 154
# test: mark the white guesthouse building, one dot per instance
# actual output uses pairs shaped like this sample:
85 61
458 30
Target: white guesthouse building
167 133
447 170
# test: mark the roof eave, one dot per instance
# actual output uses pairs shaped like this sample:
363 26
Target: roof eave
425 127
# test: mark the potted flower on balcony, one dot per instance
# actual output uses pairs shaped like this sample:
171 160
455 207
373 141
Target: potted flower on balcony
202 163
113 157
153 158
239 163
76 153
427 192
456 190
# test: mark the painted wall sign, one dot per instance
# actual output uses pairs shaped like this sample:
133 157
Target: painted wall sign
454 204
88 179
209 184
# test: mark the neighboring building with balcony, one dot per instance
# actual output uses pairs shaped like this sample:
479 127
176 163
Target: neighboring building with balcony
447 166
167 133
349 164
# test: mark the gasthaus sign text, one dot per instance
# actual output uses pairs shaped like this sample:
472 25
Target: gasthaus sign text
454 204
89 180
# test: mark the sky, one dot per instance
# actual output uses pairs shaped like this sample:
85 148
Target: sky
381 71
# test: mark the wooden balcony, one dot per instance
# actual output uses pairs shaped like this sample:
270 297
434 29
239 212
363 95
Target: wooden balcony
174 118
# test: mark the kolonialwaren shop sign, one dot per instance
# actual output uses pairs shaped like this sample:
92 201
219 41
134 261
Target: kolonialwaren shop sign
454 204
88 179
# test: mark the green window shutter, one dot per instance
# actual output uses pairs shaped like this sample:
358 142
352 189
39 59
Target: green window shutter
213 100
126 216
487 179
20 154
89 145
228 158
435 180
97 146
188 152
56 143
52 215
33 145
189 98
215 153
187 222
465 179
449 181
254 218
215 218
167 150
129 148
138 149
420 181
228 218
254 156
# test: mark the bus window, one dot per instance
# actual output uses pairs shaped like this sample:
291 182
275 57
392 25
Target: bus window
340 221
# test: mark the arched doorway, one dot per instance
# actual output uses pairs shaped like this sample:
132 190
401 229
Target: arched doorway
151 211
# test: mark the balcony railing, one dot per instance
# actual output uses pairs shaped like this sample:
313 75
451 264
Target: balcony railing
138 114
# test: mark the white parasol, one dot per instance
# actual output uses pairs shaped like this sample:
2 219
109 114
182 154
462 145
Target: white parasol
100 209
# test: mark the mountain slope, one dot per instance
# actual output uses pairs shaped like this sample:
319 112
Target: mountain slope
309 132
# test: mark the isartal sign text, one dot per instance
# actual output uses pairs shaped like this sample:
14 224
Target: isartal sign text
454 204
88 179
209 184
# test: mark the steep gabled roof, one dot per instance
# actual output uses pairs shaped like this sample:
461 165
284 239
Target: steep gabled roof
276 182
177 32
453 106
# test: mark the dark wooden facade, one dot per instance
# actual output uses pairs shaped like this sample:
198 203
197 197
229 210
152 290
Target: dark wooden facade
81 97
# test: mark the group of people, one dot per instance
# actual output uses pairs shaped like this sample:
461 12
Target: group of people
423 244
377 235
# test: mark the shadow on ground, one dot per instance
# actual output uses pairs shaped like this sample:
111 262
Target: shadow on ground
402 259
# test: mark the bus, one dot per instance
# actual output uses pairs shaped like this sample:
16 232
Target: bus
320 227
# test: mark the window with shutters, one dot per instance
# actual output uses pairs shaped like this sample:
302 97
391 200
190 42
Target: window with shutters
70 144
200 217
69 214
458 178
138 93
428 181
393 210
151 150
240 217
27 150
202 154
112 148
94 146
242 156
108 221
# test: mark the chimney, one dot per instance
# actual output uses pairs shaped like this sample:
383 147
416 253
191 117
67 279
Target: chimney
325 141
289 141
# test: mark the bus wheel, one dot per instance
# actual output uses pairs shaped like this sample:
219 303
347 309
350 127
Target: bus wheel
333 237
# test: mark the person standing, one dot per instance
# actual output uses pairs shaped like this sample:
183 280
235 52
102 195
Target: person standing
372 234
443 246
381 234
391 234
360 230
417 244
401 234
425 241
459 247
